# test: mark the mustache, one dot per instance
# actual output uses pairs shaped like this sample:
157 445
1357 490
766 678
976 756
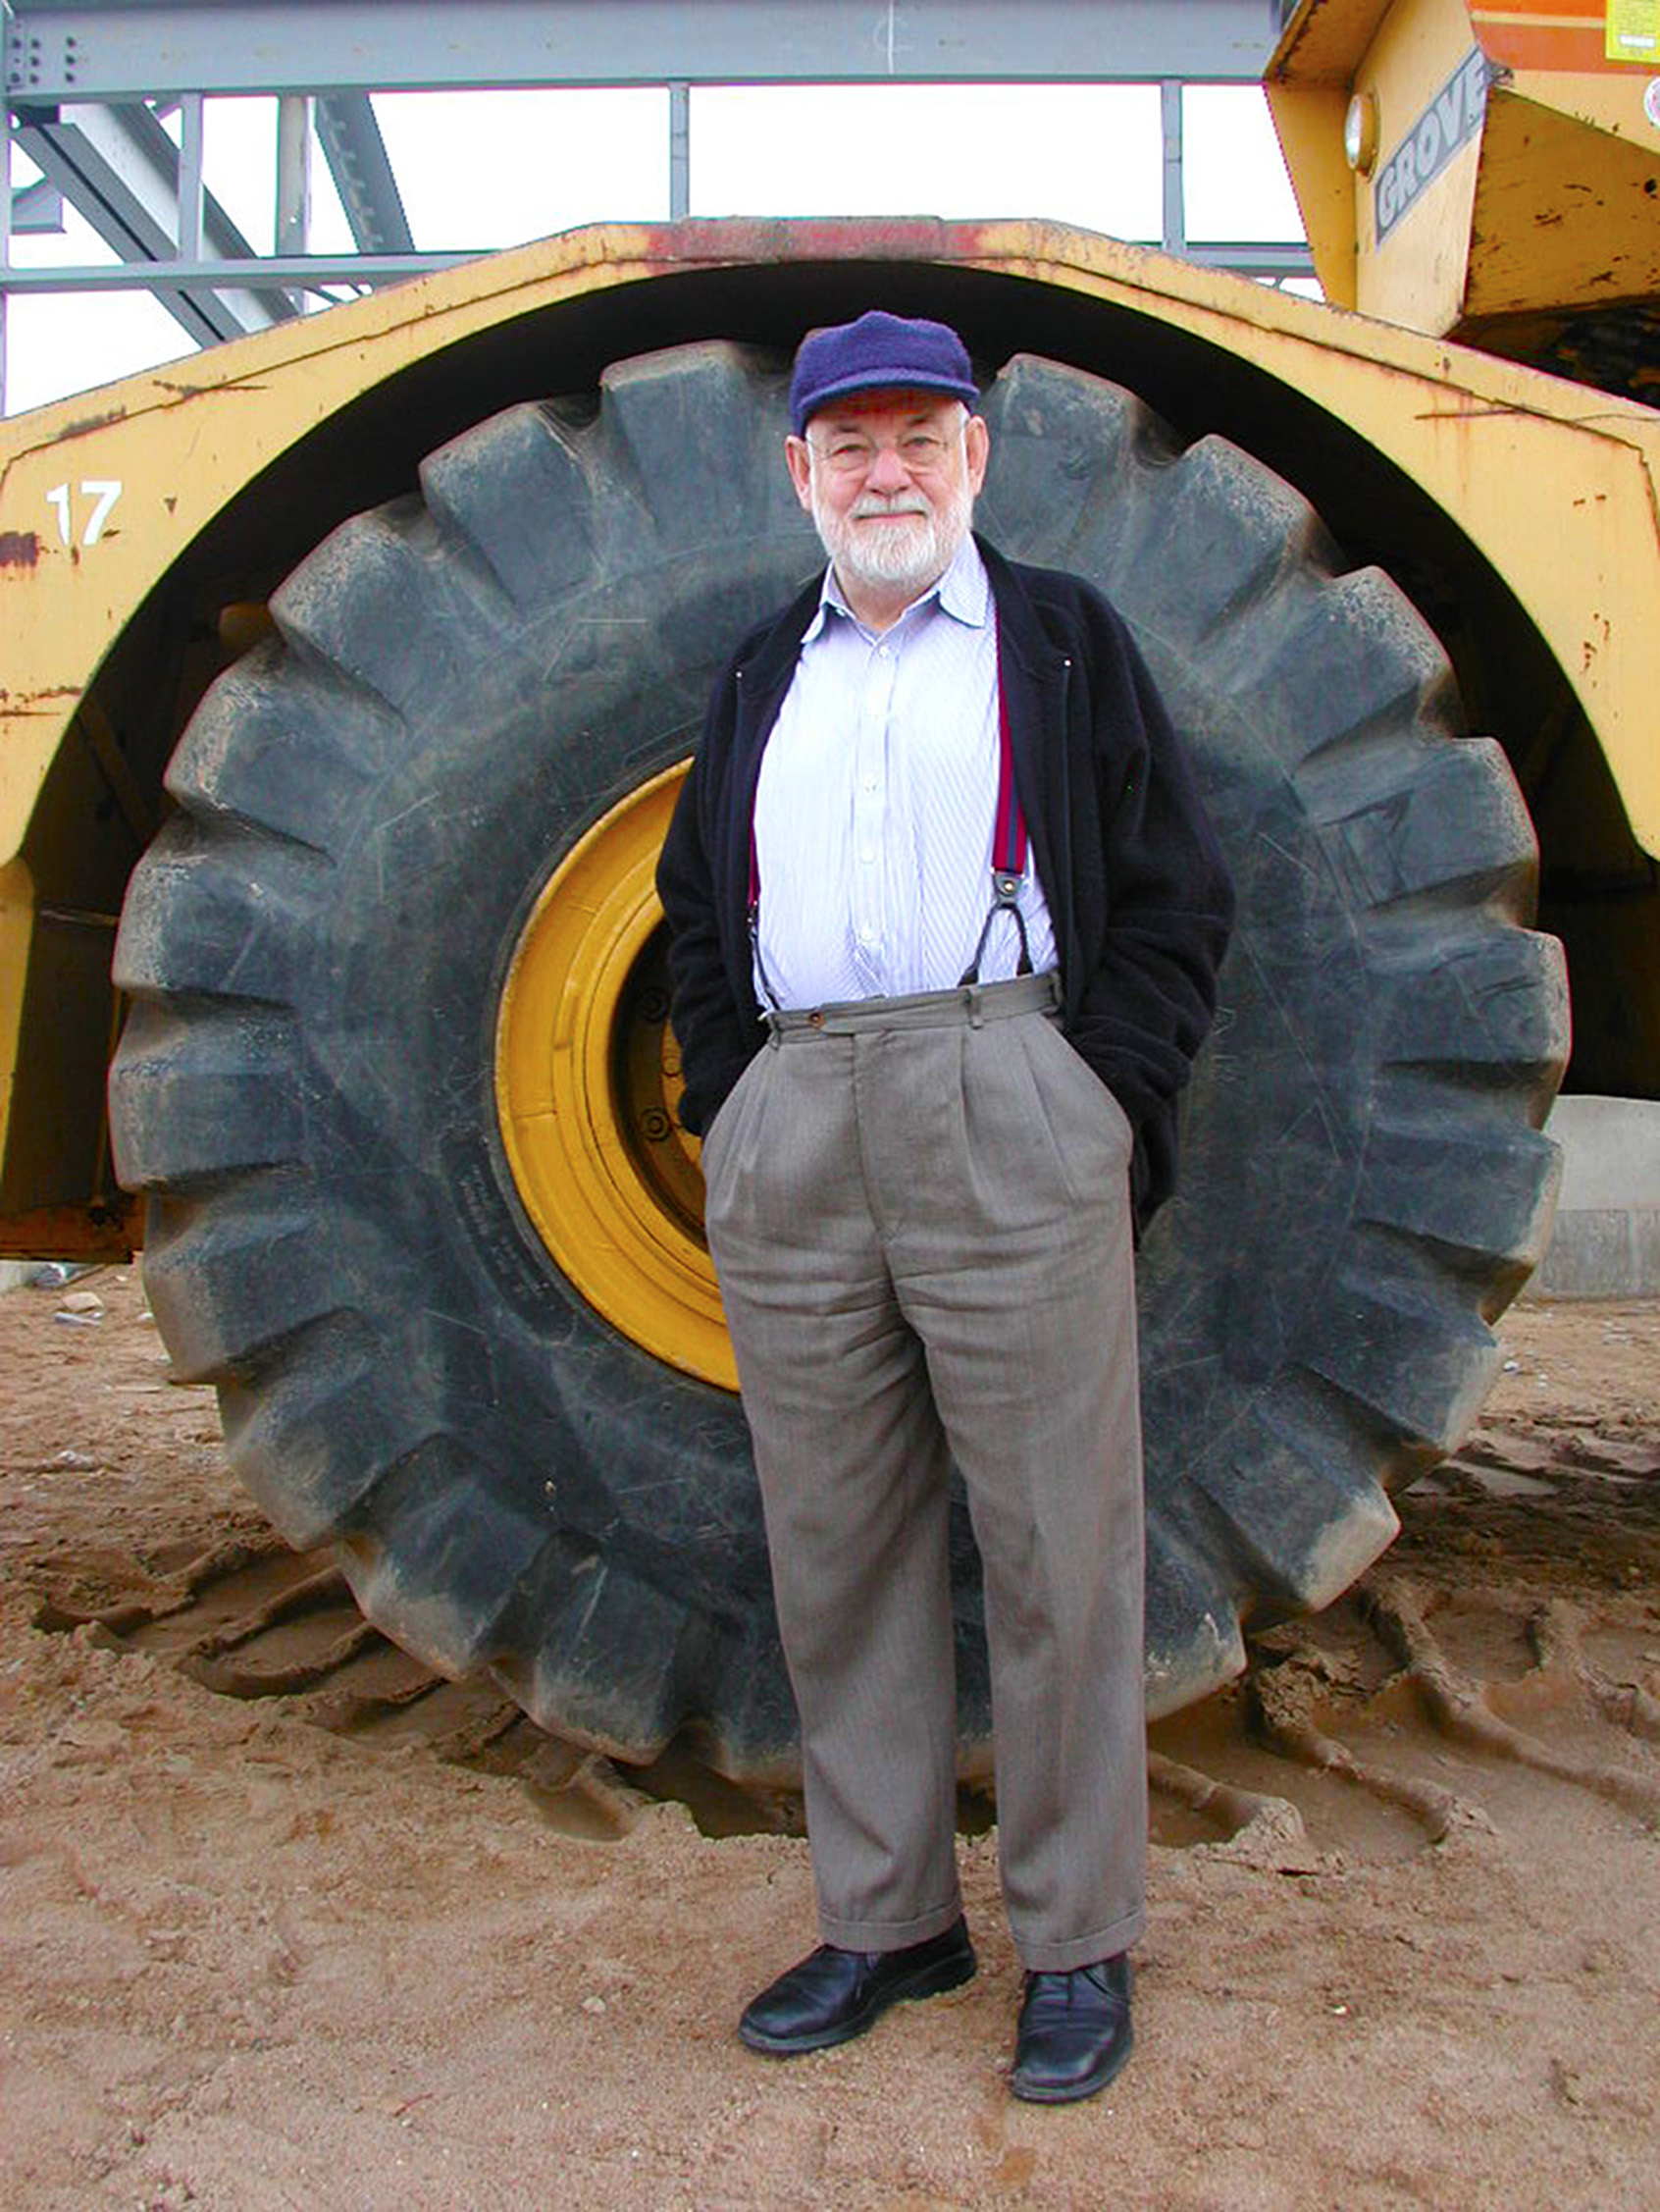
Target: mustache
897 503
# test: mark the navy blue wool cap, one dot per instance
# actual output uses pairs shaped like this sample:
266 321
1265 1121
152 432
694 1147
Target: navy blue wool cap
880 352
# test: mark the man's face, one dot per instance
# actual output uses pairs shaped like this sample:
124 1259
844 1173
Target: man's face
890 480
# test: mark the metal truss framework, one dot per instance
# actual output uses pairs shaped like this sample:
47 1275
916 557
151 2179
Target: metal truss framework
88 85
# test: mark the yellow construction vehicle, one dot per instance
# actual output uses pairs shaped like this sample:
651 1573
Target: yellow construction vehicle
420 599
1492 175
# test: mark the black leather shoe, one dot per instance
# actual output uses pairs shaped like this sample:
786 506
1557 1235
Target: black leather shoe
833 1995
1075 2033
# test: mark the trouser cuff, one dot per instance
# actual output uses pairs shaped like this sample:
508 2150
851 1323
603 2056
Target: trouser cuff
888 1935
1085 1950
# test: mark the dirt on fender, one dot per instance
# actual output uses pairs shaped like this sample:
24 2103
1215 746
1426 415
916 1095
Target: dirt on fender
286 1922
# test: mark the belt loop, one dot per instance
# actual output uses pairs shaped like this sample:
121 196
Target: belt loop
971 999
774 1034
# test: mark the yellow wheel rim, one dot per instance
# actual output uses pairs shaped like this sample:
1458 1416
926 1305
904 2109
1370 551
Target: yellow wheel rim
587 1085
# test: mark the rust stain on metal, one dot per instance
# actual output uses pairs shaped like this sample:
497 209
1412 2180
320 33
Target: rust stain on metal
42 702
920 237
83 423
205 390
1468 411
19 548
111 1227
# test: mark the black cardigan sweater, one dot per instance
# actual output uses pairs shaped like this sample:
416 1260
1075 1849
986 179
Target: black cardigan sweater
1136 886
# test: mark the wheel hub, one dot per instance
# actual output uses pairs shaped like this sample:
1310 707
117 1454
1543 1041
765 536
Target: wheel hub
587 1088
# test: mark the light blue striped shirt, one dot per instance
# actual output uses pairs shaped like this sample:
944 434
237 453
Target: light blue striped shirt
877 801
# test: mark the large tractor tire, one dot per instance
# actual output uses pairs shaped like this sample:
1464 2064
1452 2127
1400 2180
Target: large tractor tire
397 1084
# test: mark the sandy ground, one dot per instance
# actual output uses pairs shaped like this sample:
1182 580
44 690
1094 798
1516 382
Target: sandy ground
281 1925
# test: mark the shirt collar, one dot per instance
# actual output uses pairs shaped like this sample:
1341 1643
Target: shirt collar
964 592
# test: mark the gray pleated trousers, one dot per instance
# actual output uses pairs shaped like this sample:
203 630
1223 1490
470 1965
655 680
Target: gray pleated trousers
920 1214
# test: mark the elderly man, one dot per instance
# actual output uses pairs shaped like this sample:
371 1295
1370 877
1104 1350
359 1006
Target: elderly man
945 918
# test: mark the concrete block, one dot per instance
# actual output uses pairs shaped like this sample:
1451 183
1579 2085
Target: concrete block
1605 1243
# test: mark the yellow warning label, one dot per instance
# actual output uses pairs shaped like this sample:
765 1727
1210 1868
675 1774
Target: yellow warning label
1632 30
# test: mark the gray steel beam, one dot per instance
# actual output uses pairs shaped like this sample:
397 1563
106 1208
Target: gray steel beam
37 210
191 152
680 152
1246 259
292 227
5 234
307 271
144 195
357 154
1175 188
315 272
119 169
58 50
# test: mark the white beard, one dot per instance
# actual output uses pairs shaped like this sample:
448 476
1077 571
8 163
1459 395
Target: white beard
907 555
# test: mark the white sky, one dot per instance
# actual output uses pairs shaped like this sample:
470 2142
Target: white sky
484 170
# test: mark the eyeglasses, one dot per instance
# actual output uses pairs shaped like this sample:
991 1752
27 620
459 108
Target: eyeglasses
847 453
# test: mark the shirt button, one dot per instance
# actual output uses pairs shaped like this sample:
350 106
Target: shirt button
867 855
870 784
867 936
